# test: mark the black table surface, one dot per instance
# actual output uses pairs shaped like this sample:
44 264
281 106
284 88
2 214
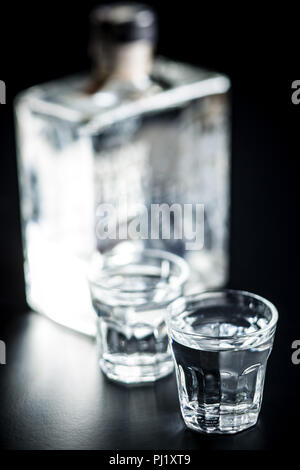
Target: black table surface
53 396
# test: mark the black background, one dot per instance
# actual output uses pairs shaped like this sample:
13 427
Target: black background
257 50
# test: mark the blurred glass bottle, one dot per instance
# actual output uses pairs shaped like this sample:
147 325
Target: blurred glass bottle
137 131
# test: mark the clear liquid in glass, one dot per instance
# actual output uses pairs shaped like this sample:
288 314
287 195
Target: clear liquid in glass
221 383
132 334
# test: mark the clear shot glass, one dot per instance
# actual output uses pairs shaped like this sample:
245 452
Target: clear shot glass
221 341
130 289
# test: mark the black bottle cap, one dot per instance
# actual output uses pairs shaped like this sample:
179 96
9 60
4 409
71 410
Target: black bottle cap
124 22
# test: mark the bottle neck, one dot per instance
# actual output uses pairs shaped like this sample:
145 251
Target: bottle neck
129 62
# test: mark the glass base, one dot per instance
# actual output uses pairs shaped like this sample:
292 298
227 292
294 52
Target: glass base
211 420
136 374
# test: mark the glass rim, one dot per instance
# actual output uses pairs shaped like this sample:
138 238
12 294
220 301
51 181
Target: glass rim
207 293
150 252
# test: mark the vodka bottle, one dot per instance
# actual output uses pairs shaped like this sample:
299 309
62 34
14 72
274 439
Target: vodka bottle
136 131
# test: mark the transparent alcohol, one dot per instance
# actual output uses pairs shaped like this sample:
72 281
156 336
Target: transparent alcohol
130 289
221 341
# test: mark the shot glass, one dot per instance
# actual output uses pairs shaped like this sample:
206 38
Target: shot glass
130 289
221 341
